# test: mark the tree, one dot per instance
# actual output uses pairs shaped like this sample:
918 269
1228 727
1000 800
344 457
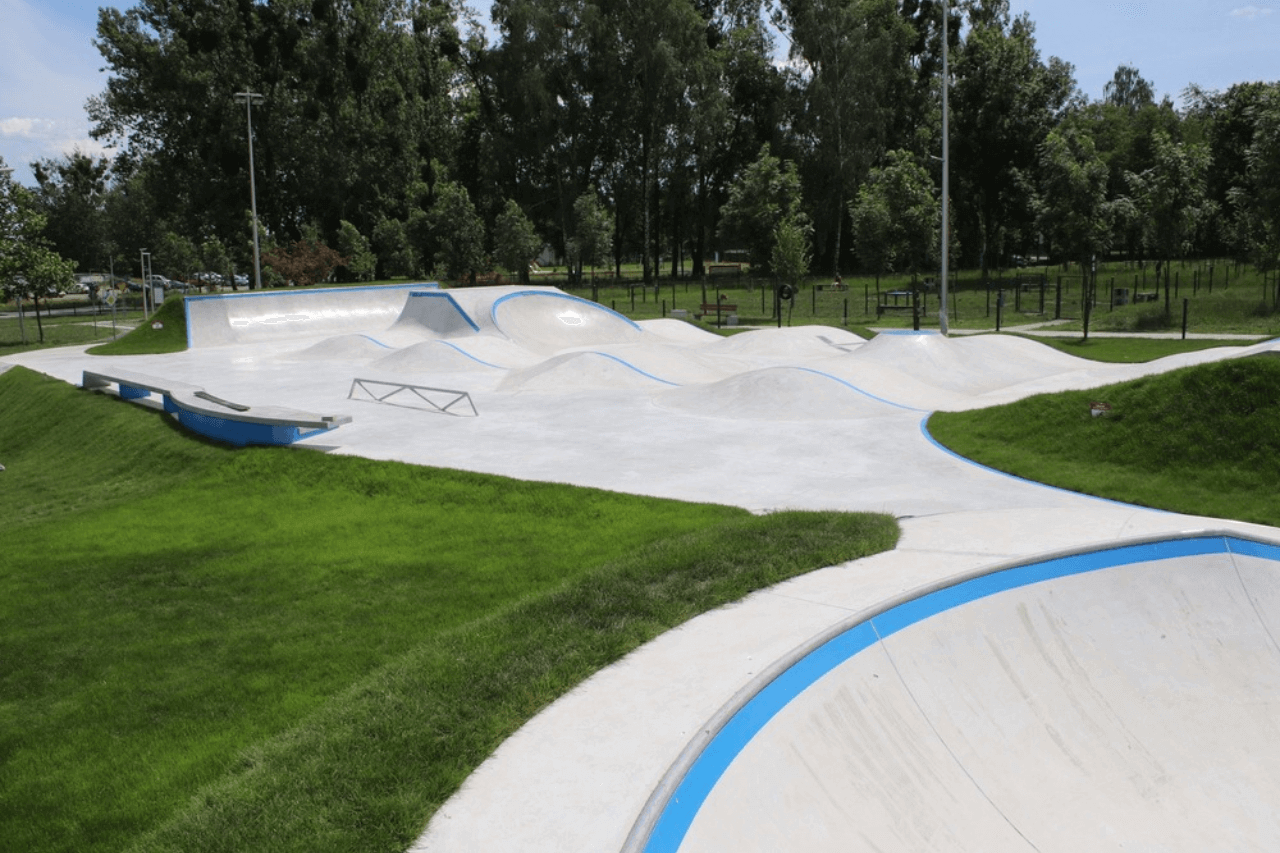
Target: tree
856 73
592 234
29 269
71 193
1257 195
1170 195
352 245
766 193
896 218
177 256
303 263
790 258
515 243
1072 205
393 249
458 233
358 99
1004 102
1128 91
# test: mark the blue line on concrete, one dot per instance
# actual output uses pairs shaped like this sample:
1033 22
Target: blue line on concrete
456 307
853 387
493 312
924 430
631 366
470 356
680 810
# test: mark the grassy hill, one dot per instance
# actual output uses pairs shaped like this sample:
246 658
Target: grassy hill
274 649
1203 440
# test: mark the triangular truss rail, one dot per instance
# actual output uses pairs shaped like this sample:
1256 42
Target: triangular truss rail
442 400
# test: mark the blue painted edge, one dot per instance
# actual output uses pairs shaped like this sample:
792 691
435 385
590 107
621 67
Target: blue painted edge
853 387
469 355
132 392
493 312
235 432
911 332
682 807
376 341
631 366
440 294
293 291
924 430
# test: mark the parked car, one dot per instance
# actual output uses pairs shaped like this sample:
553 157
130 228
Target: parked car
242 280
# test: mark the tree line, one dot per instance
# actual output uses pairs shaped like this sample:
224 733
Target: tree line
393 133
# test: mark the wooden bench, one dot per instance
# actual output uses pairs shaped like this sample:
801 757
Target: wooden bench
716 308
1146 296
724 269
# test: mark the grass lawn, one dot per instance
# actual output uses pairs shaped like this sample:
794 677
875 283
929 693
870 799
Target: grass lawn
1203 440
1131 350
274 649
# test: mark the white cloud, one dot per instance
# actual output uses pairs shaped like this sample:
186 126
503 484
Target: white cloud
1250 12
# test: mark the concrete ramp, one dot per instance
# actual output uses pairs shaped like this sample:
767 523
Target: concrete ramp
437 314
1127 699
549 321
264 316
776 394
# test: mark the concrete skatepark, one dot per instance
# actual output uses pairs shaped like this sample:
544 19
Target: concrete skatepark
1030 669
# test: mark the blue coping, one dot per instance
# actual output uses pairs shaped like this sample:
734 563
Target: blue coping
237 432
493 312
470 356
132 392
924 429
631 366
853 387
293 291
686 800
456 307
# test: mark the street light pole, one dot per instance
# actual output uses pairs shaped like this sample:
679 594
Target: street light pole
249 99
946 177
142 265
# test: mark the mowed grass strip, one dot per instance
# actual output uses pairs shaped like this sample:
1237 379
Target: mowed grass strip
1131 350
1203 440
274 649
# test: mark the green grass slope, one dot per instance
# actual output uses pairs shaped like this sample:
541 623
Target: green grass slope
164 331
274 649
1203 440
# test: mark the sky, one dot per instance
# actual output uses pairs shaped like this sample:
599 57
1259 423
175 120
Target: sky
49 67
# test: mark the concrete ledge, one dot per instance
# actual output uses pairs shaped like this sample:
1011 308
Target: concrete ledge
214 417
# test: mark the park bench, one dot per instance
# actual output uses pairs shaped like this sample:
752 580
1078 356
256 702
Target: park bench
1146 296
724 269
214 417
716 308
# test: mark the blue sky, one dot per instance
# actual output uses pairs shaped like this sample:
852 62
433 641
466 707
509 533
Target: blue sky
49 66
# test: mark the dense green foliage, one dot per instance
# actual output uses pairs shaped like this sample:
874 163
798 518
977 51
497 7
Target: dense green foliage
380 116
275 649
1203 440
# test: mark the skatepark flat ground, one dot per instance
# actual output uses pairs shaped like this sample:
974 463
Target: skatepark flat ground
807 418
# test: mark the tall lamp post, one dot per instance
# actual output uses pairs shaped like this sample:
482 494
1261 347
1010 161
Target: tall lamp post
249 99
946 177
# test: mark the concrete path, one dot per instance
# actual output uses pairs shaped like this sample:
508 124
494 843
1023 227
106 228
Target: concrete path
807 418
